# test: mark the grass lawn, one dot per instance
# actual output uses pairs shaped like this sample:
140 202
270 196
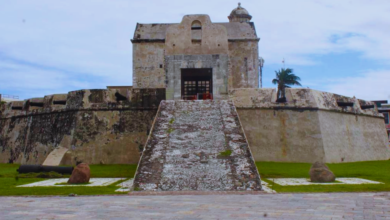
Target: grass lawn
8 181
373 170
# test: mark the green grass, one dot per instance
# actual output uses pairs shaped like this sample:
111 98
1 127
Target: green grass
9 181
71 184
121 170
373 170
225 153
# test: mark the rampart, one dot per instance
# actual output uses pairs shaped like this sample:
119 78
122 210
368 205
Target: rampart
311 126
111 126
94 126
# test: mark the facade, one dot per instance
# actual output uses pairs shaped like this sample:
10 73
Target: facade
311 126
194 59
197 56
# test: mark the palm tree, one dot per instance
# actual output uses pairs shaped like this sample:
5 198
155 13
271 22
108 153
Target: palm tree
284 79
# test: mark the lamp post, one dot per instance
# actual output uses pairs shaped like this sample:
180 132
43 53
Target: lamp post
261 64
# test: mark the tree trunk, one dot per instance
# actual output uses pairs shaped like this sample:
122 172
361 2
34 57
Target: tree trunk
278 95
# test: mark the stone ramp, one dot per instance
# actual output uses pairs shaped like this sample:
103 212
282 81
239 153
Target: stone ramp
183 151
55 157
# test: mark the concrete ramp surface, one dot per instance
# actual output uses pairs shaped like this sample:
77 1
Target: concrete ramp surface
197 145
55 157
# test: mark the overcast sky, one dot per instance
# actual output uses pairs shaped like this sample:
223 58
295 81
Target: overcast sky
49 46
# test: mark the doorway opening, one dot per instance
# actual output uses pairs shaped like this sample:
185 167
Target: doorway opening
197 84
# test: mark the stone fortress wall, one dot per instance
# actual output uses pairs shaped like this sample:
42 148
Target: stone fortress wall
94 126
312 126
111 126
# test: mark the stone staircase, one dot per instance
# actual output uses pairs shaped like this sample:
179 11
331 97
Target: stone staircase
197 145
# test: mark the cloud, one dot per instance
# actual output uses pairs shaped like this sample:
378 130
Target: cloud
59 46
38 80
298 28
371 85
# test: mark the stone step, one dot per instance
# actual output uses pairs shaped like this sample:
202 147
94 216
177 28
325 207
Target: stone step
197 146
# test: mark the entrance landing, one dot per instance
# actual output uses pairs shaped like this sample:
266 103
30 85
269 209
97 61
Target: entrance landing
197 145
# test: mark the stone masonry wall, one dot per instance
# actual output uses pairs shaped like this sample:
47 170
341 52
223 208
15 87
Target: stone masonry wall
212 39
148 65
218 64
160 51
93 125
283 135
349 138
244 64
311 126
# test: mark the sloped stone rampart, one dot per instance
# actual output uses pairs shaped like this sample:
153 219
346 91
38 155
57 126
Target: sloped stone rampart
189 146
92 126
312 126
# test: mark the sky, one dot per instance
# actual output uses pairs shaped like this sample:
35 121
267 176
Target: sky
52 46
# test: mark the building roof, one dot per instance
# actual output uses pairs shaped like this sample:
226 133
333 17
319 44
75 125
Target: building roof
156 32
239 13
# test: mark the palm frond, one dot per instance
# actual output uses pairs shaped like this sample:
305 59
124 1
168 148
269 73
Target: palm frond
285 78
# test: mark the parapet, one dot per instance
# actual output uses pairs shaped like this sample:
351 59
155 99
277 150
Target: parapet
302 99
89 99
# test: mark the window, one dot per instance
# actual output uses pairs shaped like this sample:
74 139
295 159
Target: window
386 114
196 32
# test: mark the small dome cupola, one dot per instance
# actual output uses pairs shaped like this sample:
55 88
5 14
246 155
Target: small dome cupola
239 14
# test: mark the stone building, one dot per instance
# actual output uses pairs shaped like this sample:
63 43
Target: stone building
194 59
197 56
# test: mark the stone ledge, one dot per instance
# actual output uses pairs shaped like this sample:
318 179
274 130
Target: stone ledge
194 193
302 99
43 112
302 109
111 99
